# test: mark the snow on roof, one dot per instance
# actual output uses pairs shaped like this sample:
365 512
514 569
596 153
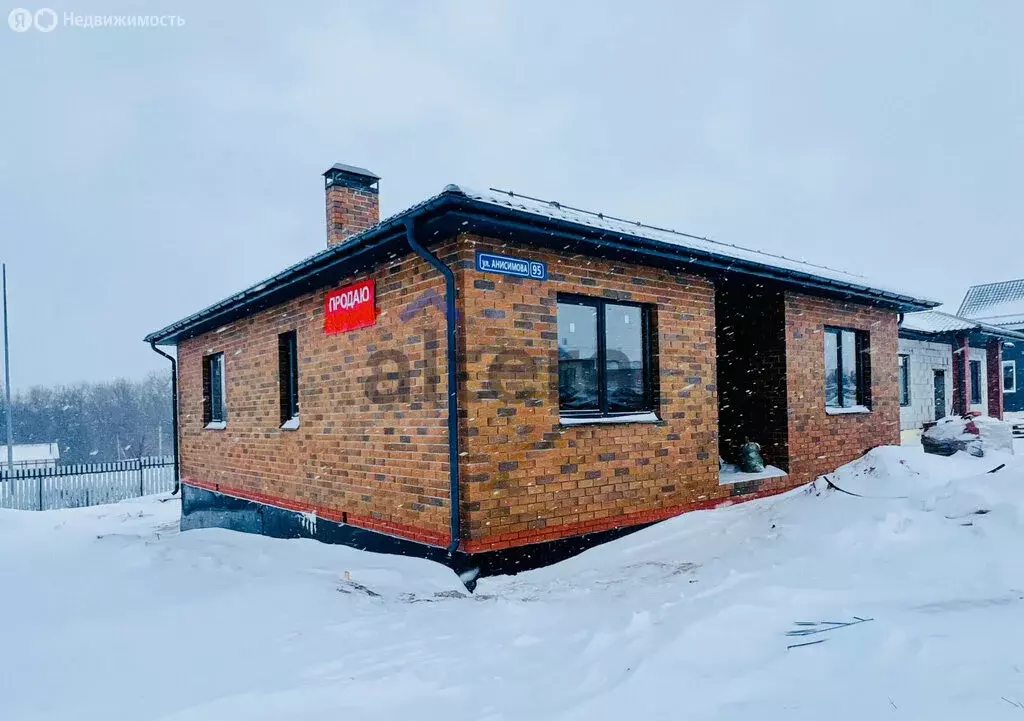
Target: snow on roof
557 211
724 253
934 321
29 452
997 303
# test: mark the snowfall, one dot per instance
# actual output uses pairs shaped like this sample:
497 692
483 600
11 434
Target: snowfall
906 601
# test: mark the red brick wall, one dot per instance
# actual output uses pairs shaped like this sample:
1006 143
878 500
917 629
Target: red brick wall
383 465
961 377
994 370
819 443
382 462
525 477
349 211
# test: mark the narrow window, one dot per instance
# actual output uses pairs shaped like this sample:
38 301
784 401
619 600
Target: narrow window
288 377
214 410
1009 376
846 368
904 380
624 359
604 366
577 358
975 382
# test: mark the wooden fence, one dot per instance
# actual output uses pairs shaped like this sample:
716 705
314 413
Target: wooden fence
75 486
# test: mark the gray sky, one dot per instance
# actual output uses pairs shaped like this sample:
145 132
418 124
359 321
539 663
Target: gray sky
146 173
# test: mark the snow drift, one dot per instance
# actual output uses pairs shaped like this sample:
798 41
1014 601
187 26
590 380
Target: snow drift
110 613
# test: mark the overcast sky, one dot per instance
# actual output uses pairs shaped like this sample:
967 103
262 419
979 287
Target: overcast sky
146 173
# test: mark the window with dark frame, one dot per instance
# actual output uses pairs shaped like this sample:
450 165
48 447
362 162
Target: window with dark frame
288 375
904 380
214 410
975 382
604 357
846 368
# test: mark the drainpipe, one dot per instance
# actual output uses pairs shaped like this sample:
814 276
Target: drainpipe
174 413
453 387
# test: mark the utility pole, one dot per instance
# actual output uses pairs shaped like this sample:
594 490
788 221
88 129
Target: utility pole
7 384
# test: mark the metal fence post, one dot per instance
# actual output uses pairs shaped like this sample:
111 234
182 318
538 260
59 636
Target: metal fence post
142 490
40 484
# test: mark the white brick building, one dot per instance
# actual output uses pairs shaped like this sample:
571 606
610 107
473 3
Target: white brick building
929 363
935 380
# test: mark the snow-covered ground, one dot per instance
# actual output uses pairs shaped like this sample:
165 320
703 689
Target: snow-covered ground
110 613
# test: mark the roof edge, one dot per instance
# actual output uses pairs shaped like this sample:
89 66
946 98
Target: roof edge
454 197
975 326
896 301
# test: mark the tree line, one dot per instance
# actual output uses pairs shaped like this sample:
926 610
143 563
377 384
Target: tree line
95 422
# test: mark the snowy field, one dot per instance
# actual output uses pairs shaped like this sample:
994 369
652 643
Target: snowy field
110 613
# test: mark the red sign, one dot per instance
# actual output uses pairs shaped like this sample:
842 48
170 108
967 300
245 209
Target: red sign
351 307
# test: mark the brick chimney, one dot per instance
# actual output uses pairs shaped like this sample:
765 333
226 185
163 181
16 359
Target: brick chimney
353 203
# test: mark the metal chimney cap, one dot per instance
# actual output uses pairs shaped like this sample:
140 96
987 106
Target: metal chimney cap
351 170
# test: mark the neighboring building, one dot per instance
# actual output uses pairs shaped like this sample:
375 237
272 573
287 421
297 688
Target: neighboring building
1002 304
934 381
599 368
31 455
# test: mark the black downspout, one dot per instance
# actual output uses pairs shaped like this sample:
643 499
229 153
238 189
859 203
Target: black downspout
453 386
174 413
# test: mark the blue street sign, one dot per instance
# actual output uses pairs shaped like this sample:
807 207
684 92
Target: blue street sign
519 267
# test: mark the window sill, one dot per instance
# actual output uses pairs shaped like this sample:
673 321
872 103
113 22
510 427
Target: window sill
216 426
731 474
604 420
292 424
846 411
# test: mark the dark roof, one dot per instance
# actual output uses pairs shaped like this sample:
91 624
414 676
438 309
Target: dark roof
354 169
998 303
933 322
692 243
530 221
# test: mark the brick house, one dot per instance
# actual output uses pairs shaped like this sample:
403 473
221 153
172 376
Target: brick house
497 382
1002 305
951 365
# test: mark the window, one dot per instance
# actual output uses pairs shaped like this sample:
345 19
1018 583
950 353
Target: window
904 380
288 378
1009 376
214 410
846 368
975 382
604 357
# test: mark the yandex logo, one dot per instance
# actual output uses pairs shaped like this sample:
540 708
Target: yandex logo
349 308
